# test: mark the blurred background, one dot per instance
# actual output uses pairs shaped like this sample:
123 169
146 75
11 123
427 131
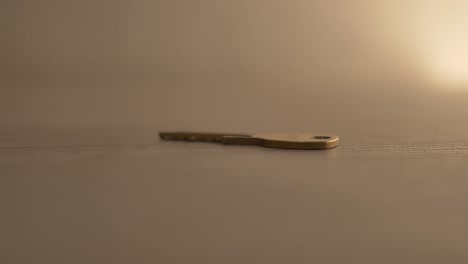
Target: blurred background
366 70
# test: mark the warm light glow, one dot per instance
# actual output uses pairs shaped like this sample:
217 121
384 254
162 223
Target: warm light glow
448 62
443 30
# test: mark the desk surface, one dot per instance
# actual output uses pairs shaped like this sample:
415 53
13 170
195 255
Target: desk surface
394 191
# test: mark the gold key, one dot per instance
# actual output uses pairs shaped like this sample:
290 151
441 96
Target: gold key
284 141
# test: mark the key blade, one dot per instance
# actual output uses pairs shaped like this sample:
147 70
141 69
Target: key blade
198 136
242 140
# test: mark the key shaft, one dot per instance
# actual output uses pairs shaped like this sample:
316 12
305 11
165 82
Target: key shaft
199 137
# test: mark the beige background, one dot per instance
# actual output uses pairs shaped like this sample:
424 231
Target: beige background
86 85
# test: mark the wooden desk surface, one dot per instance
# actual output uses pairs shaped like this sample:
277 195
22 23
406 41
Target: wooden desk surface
394 191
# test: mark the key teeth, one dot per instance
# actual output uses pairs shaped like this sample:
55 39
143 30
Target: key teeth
192 138
187 138
196 137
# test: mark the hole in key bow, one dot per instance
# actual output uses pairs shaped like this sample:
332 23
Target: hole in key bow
322 137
